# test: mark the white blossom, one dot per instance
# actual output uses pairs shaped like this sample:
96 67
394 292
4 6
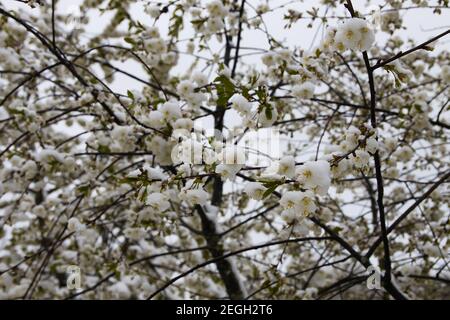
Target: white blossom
286 166
361 159
228 171
74 225
158 202
241 104
297 204
171 111
152 10
255 190
303 91
155 119
268 116
355 34
315 175
194 196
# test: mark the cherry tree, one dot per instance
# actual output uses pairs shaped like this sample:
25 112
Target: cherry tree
121 151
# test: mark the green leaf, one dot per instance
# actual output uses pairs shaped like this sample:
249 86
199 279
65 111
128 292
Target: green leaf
130 95
129 40
104 149
199 22
84 190
268 112
143 196
225 90
271 186
176 21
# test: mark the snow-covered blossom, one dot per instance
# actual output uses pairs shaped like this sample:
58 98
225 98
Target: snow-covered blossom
30 169
155 119
171 111
328 42
404 153
185 88
262 8
268 116
158 202
194 196
303 91
315 175
16 161
390 21
120 290
215 24
153 32
136 233
268 59
352 136
209 155
154 173
361 159
400 72
392 172
216 9
355 34
431 250
371 145
241 104
390 143
39 211
228 171
74 225
445 74
155 45
48 155
152 10
297 204
341 169
184 124
122 134
255 190
116 150
286 166
200 79
162 150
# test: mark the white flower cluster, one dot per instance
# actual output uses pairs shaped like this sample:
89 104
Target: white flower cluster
297 204
155 44
122 138
74 225
445 74
266 117
194 196
356 147
255 190
217 12
286 167
168 113
232 160
354 34
162 149
304 90
400 72
314 177
186 90
153 10
158 202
